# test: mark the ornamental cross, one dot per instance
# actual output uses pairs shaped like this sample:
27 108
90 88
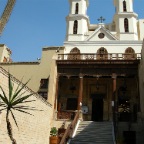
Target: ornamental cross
101 19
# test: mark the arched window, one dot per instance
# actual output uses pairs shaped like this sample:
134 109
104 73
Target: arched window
129 53
126 25
74 54
76 8
124 6
75 27
102 53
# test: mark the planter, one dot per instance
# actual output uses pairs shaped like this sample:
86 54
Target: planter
54 140
61 132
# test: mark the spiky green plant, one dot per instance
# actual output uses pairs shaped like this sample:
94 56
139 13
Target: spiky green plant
15 100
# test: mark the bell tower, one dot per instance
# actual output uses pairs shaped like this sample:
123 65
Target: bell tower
77 20
126 20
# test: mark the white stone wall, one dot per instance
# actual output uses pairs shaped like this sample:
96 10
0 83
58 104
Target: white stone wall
119 5
141 29
111 46
82 6
32 129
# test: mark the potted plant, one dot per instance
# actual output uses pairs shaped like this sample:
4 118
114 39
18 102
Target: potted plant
54 139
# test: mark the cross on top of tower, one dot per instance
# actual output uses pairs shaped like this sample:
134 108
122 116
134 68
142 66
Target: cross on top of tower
101 19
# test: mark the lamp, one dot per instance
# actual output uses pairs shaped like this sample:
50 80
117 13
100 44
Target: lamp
97 83
72 87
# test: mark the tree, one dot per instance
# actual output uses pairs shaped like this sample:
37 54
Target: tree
14 100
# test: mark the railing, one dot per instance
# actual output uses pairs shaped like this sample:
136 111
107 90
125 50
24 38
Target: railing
69 131
92 56
115 118
113 134
66 114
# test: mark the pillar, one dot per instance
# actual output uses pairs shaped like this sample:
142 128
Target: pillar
80 92
114 86
113 96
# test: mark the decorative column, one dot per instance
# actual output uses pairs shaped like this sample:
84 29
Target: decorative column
114 86
114 104
113 96
80 92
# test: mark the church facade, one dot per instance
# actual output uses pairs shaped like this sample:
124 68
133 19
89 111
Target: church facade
99 70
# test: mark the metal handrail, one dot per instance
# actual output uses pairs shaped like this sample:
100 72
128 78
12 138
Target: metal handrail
113 134
115 118
69 131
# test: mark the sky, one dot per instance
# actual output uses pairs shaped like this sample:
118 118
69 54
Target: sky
35 24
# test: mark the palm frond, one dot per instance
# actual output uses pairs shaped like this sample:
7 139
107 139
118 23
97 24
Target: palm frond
28 101
3 109
10 86
21 100
19 90
22 106
18 86
20 95
4 97
14 118
2 104
26 108
24 112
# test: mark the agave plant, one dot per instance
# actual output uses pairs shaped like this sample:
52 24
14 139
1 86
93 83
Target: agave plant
14 100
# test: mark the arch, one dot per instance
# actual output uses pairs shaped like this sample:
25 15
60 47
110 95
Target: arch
75 27
74 54
76 8
126 25
129 53
102 53
124 6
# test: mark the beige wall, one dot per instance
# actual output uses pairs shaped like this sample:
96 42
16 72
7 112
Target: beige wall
4 53
32 129
35 71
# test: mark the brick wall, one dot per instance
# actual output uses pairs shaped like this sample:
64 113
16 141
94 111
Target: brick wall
32 129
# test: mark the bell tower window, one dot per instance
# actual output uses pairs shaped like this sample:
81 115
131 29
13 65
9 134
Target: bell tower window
76 8
126 25
75 27
124 6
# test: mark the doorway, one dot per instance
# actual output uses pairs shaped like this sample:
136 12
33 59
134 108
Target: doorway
97 108
129 137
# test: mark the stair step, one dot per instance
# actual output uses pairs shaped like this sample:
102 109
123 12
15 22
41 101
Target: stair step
90 132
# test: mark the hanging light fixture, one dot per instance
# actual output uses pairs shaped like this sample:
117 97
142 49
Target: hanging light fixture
72 87
97 83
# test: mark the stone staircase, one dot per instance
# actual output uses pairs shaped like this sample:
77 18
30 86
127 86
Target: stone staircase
90 132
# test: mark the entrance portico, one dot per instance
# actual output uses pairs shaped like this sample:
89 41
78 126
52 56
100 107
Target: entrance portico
97 85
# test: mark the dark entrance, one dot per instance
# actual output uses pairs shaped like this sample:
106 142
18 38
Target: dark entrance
72 103
129 137
97 107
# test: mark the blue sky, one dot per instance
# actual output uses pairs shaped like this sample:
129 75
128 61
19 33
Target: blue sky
35 24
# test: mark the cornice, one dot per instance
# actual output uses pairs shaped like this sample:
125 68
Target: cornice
115 42
20 63
53 48
76 16
126 14
87 1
